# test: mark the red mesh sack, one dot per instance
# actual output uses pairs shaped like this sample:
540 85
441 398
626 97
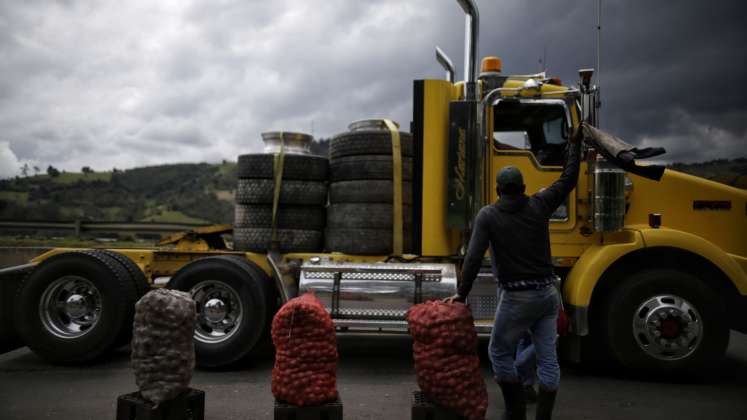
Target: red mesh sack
305 371
446 361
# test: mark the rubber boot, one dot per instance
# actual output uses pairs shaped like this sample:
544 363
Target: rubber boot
513 397
545 403
530 395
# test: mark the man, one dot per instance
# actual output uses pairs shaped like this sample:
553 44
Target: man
516 227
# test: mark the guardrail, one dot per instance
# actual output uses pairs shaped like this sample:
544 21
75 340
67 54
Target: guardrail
78 226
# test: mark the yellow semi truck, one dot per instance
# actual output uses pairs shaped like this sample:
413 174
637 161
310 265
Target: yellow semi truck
653 262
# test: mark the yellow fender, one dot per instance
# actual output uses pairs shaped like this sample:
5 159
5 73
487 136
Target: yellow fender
595 260
583 277
727 263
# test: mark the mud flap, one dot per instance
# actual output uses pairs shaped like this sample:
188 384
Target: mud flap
10 281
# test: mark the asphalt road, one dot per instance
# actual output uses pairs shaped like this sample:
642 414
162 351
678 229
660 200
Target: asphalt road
375 380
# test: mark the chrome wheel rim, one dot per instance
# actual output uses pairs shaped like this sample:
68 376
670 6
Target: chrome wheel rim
219 311
70 307
667 327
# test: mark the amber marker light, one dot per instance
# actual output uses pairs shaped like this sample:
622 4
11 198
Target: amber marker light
490 65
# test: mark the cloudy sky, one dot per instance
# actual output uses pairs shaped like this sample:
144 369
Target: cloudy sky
141 82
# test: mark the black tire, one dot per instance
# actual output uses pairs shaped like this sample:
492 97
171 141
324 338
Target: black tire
251 287
622 308
299 167
367 167
260 191
369 216
288 217
363 241
136 274
289 240
139 282
368 142
367 191
117 296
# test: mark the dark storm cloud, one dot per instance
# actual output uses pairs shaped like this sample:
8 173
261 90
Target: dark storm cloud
127 84
669 70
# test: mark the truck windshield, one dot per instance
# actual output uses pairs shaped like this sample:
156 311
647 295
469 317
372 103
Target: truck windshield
543 127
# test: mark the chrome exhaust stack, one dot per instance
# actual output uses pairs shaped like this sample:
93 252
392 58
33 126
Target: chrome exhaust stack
471 37
446 63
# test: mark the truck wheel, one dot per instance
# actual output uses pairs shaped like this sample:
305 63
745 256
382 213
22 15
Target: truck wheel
290 240
367 191
136 274
300 167
288 217
367 167
665 320
233 299
261 191
370 215
369 142
139 282
75 306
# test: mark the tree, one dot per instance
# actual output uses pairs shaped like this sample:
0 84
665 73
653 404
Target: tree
37 170
53 172
86 170
25 169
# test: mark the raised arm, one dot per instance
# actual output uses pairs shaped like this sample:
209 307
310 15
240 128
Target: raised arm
553 196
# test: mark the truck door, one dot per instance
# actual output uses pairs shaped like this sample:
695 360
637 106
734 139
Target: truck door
532 135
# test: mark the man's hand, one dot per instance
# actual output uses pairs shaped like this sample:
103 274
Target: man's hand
456 298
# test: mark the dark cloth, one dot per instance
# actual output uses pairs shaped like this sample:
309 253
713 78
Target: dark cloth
516 227
624 155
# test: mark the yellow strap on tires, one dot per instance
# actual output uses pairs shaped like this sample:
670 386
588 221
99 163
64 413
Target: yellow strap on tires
277 171
397 233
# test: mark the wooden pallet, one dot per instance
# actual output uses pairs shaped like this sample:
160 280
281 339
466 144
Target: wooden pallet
329 411
189 405
424 408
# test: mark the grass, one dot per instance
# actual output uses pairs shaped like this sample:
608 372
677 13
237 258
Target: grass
71 242
224 195
227 169
73 177
21 198
170 216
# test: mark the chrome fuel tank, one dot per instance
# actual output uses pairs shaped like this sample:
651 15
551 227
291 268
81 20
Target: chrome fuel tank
378 291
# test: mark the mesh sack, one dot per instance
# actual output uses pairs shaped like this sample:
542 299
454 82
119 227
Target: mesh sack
305 370
163 354
445 353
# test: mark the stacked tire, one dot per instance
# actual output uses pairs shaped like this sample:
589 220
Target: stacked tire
360 214
300 215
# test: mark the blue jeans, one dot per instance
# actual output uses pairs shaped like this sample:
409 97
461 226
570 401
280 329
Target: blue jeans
517 312
526 360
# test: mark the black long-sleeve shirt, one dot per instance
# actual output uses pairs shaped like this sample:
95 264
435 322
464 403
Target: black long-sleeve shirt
517 229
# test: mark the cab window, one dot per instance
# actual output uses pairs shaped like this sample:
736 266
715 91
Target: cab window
539 128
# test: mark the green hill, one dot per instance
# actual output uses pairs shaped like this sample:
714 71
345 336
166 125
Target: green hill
185 193
730 172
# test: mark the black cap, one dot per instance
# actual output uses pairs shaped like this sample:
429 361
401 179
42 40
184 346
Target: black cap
509 178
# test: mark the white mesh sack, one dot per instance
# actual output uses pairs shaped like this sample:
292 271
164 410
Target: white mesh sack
163 354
